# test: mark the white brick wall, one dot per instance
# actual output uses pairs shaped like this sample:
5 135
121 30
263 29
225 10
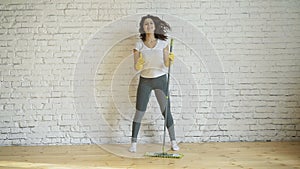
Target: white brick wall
42 44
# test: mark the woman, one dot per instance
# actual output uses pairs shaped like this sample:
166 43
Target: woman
152 58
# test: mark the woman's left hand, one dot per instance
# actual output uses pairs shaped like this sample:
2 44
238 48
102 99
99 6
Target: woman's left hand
171 57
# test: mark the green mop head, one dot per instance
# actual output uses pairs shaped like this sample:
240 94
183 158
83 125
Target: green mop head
163 155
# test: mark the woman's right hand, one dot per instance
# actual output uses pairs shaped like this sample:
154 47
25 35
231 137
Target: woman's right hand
140 63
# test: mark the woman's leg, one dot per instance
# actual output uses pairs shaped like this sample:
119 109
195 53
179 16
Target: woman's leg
136 125
143 94
162 100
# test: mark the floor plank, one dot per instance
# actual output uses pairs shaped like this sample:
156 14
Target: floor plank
237 155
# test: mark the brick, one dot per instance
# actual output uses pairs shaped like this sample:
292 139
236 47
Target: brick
39 56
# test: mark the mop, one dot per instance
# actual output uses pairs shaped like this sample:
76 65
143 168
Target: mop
164 154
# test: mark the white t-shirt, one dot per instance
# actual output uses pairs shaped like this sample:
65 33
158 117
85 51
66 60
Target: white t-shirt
154 59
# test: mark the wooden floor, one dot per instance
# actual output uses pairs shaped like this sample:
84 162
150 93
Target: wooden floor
255 155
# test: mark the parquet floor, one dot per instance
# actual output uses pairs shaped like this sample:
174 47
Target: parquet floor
230 155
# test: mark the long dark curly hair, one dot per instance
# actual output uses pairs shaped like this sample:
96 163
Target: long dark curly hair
161 28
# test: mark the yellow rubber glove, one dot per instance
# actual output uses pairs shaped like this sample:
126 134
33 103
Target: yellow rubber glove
140 63
171 57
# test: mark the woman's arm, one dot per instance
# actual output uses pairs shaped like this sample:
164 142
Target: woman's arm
166 56
136 55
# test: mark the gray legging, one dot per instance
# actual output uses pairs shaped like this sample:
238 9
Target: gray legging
146 85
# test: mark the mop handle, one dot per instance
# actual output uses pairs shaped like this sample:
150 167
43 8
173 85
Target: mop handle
167 98
169 68
171 45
